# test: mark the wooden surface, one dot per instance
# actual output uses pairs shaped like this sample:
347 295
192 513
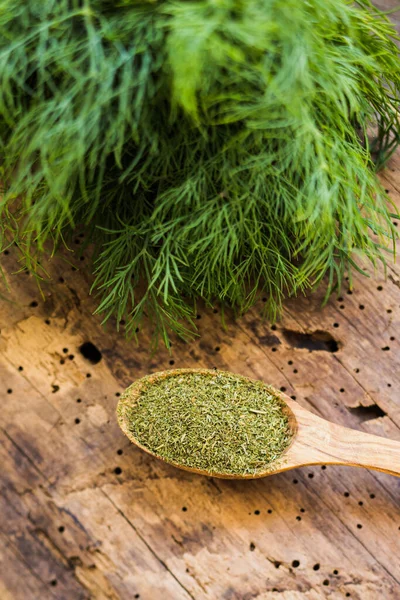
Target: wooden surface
85 514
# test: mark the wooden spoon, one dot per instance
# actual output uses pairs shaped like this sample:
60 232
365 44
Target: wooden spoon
315 441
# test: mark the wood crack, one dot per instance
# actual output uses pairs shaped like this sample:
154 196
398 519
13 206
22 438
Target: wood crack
145 542
352 533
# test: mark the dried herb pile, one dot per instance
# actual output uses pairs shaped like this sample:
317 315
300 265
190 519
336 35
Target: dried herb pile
211 148
217 422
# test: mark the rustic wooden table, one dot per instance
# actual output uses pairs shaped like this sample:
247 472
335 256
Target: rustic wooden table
84 514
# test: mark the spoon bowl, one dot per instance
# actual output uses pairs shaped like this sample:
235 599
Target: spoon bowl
314 441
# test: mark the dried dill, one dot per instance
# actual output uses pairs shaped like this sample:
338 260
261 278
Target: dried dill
213 421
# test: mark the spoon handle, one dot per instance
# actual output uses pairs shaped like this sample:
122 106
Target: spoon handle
321 442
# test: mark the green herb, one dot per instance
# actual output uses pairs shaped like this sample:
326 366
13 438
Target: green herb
213 421
213 148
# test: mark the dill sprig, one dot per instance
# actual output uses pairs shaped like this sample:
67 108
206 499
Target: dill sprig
214 148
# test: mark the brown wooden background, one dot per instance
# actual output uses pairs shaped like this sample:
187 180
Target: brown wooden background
83 514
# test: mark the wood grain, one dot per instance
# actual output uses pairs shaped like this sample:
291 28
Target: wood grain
319 442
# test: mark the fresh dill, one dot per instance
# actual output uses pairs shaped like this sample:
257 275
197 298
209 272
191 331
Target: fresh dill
212 149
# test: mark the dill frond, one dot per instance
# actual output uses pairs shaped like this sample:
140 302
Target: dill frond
214 148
